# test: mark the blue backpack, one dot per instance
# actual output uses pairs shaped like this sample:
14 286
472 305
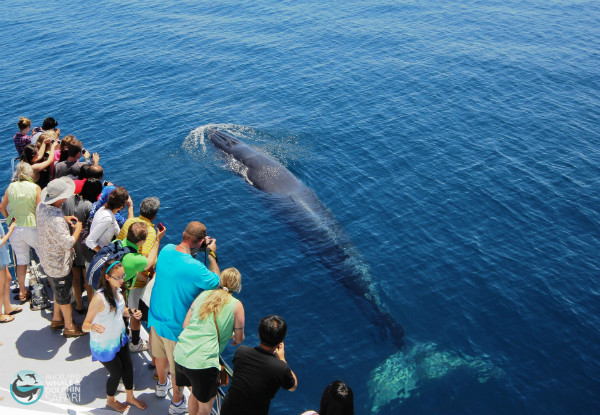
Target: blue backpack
114 250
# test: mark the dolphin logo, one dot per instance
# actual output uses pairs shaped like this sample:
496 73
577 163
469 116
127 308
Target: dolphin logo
25 391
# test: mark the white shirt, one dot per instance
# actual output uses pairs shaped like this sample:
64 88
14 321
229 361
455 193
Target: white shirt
103 230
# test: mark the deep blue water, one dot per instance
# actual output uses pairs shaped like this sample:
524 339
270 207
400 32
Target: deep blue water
456 142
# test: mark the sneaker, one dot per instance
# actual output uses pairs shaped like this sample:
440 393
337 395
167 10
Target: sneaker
161 390
74 332
142 346
178 409
121 386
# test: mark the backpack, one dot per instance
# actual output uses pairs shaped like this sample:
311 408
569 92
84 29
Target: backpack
114 250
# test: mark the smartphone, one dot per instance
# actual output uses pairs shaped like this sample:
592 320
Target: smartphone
160 227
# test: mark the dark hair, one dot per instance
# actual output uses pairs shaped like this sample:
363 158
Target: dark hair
84 172
105 285
272 330
75 147
117 198
91 190
49 124
29 152
137 232
64 147
149 207
337 399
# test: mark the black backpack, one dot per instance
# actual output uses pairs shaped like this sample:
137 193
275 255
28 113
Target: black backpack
114 250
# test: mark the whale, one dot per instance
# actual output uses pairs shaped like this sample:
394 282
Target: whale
397 377
316 226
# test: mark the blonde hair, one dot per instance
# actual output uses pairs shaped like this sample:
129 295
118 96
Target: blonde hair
43 137
23 123
23 172
231 279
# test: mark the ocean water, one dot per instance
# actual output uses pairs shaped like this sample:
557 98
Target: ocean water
456 142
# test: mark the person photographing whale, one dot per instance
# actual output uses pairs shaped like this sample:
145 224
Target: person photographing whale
179 279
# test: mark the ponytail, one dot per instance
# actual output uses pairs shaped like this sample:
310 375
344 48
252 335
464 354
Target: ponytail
230 281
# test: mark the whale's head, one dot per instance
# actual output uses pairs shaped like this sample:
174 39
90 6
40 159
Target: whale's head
222 141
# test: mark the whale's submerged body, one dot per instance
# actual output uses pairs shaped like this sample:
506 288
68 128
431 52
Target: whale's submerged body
397 377
315 223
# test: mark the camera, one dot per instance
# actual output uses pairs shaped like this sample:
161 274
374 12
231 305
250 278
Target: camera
207 241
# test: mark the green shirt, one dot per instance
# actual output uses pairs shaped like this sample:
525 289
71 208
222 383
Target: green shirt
197 346
133 263
21 198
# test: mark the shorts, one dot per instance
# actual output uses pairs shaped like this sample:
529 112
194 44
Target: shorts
204 382
3 267
133 297
63 289
162 348
133 301
22 240
4 256
81 250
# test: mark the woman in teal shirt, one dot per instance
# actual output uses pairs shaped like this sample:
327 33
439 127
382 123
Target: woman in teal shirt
214 318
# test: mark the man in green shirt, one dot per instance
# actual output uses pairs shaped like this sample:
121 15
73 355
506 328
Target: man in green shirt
133 264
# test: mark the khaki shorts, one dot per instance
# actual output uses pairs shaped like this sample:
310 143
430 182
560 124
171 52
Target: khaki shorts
162 348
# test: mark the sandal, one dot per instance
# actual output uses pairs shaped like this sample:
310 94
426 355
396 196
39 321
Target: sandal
23 298
15 310
5 318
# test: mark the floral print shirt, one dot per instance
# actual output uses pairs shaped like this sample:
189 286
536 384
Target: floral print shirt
54 241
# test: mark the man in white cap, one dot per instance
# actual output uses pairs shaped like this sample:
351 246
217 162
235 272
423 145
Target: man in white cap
55 250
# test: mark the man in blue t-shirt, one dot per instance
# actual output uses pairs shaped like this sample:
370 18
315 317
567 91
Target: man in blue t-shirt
179 280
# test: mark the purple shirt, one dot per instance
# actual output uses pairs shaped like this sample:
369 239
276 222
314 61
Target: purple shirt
21 140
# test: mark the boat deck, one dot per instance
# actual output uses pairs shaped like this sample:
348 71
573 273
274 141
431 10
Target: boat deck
73 383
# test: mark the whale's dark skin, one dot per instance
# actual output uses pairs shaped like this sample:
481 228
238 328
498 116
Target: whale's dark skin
315 224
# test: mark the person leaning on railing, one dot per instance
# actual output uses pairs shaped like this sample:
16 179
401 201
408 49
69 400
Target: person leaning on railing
260 371
210 322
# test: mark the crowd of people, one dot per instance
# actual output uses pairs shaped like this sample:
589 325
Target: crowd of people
58 208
